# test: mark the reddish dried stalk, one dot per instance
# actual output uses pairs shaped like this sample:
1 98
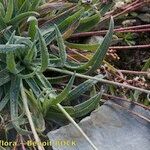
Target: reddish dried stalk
135 27
129 47
139 28
22 144
127 10
114 98
123 8
133 30
135 113
131 4
144 73
111 97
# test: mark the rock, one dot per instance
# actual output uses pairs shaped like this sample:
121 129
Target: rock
144 17
111 127
95 39
145 9
129 22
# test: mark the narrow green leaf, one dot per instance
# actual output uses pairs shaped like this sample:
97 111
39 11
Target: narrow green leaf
21 17
11 64
68 21
11 39
2 10
56 110
99 55
11 47
4 77
2 23
87 47
45 83
105 8
86 24
29 75
35 4
20 121
57 62
1 92
25 41
33 86
87 106
56 117
31 53
49 36
9 11
33 22
48 30
55 80
44 52
82 88
58 19
71 29
61 45
4 101
37 115
64 93
20 3
14 96
63 25
24 7
33 100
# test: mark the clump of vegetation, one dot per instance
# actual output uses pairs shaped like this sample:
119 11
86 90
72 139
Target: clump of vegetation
36 62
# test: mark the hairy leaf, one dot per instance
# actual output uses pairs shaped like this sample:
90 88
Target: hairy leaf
21 17
86 24
11 47
4 101
11 64
33 22
99 55
87 106
64 93
4 77
82 88
62 48
9 11
87 47
14 96
44 52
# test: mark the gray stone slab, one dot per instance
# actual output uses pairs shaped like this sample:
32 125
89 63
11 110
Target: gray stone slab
111 127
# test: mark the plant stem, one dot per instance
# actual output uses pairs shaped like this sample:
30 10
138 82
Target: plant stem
135 113
25 102
131 4
76 125
144 73
100 80
128 9
22 144
140 28
116 98
123 8
130 47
